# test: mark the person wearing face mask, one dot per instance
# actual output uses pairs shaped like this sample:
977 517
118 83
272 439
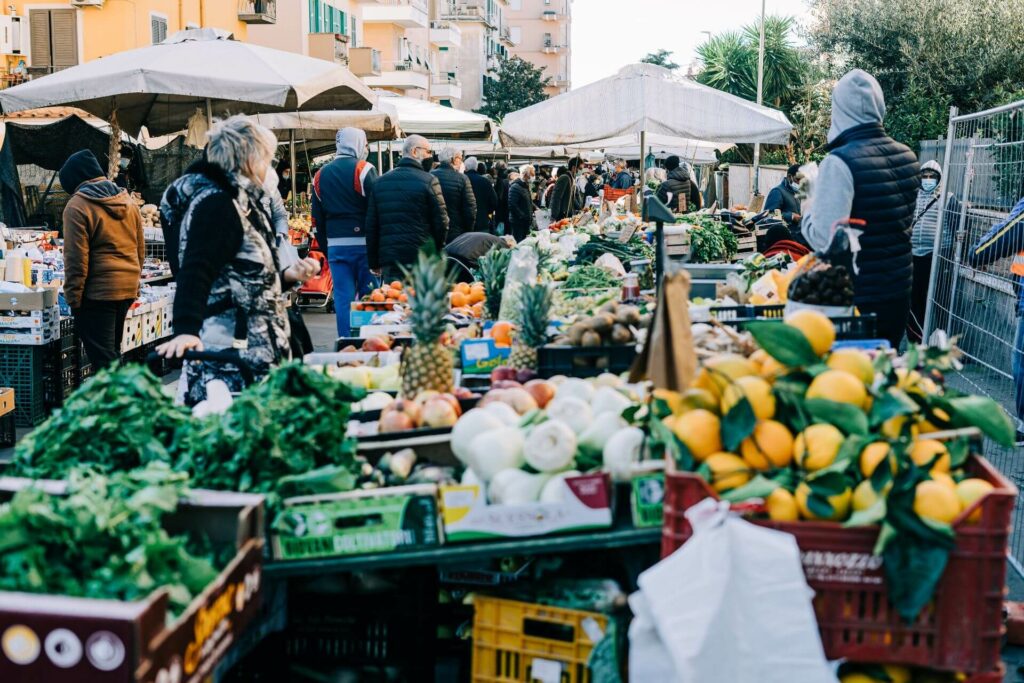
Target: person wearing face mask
406 211
226 264
783 198
284 184
922 242
521 217
457 189
676 185
566 200
341 195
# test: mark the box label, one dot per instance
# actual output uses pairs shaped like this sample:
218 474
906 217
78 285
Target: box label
480 356
647 496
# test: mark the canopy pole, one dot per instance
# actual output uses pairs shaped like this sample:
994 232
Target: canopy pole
209 113
756 179
380 164
291 154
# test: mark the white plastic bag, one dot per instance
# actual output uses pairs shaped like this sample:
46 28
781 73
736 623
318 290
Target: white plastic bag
733 605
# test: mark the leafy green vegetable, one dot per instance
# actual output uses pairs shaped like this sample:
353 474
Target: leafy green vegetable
587 278
710 240
634 250
103 539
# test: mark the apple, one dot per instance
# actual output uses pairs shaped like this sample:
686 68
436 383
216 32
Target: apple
453 402
502 373
379 343
492 396
524 376
438 412
393 421
506 384
541 390
410 409
520 400
425 396
463 392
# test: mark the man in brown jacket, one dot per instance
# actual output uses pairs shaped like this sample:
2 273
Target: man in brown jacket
104 249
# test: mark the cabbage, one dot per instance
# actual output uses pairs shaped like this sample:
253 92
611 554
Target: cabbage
496 450
550 447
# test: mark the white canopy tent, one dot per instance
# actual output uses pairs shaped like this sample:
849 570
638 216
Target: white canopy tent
162 86
430 120
628 147
321 126
644 98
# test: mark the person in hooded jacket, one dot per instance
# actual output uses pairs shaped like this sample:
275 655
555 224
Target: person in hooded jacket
486 197
869 176
406 212
922 242
566 200
104 248
341 194
783 197
459 199
676 185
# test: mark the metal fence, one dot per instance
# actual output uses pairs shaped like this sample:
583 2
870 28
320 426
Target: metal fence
973 295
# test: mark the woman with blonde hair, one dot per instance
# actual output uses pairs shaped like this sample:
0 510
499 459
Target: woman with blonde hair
225 257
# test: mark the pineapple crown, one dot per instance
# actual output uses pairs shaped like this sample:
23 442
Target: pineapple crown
532 319
428 302
491 270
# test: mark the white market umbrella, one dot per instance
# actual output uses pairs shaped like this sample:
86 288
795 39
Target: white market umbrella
628 146
421 117
644 98
161 86
321 126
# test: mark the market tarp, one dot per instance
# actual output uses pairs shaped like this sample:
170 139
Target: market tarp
321 126
161 86
661 146
49 146
420 117
166 164
644 97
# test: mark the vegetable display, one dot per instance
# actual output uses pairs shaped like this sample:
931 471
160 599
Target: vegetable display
585 279
104 539
635 249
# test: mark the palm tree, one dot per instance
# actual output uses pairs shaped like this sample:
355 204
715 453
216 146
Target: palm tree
728 66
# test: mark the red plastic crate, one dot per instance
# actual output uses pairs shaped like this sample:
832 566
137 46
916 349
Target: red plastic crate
959 631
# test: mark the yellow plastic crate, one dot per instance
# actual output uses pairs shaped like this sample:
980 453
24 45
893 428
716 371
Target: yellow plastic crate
513 640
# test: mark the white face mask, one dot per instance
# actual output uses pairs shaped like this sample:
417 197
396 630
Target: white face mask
929 184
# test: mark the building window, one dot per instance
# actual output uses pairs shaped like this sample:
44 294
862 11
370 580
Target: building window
516 33
352 32
54 38
158 27
324 18
515 5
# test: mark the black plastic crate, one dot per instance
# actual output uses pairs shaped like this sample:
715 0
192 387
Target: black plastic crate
8 431
68 338
21 368
584 361
58 386
57 358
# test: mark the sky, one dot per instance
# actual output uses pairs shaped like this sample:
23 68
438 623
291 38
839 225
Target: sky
609 34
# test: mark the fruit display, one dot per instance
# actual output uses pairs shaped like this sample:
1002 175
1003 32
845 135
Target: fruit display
377 343
428 410
840 436
613 324
368 377
384 297
823 286
427 365
468 299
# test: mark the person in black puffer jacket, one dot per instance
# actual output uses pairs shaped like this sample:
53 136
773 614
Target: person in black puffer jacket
566 201
458 193
520 206
501 189
486 198
406 211
869 176
677 185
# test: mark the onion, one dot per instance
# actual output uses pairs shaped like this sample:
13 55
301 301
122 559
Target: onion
572 411
496 450
474 422
550 447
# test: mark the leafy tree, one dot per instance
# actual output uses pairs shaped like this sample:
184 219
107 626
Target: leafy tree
661 58
926 54
729 62
517 84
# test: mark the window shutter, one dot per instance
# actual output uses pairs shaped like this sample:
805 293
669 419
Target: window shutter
39 28
158 29
64 38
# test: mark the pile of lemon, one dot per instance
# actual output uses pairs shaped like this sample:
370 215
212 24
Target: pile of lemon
696 420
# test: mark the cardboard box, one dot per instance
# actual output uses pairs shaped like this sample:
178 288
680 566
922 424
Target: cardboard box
132 334
6 401
82 640
38 337
28 301
358 522
480 356
468 517
25 319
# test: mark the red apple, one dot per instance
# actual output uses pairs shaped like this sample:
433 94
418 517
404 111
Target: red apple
394 422
524 376
452 401
491 396
377 344
520 400
411 409
506 384
541 390
502 373
438 412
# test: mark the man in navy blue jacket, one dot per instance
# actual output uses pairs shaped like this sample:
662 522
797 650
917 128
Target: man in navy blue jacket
341 192
1006 239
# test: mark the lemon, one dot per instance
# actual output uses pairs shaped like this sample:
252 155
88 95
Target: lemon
855 362
673 399
700 430
925 450
840 503
893 427
926 427
817 446
943 479
898 674
936 501
817 328
864 496
782 506
970 490
759 357
699 398
721 370
758 393
727 471
769 446
771 368
839 386
872 455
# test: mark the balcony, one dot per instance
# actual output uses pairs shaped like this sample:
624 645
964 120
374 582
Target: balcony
554 49
404 13
400 75
446 88
554 15
470 10
364 61
445 34
560 81
506 36
257 11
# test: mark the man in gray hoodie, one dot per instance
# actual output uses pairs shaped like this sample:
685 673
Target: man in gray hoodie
341 192
869 176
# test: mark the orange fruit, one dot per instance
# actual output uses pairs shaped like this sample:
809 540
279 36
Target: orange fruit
476 296
459 299
396 285
478 309
501 333
377 295
462 288
402 297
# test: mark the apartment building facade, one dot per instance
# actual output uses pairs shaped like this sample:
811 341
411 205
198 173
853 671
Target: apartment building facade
41 37
542 33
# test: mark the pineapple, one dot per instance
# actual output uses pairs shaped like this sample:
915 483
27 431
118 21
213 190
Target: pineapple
531 332
427 364
491 270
